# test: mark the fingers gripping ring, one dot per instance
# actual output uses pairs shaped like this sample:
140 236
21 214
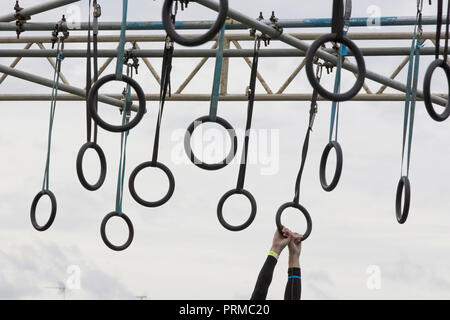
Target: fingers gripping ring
170 28
302 209
250 219
151 164
190 153
312 76
323 166
439 63
130 231
80 173
403 184
92 106
52 213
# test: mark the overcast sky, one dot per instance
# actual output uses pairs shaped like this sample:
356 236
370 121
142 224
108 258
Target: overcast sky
180 251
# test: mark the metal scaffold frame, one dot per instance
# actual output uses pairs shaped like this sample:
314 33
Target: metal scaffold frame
236 21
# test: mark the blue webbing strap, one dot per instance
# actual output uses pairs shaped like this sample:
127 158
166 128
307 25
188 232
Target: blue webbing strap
411 90
334 121
56 74
217 74
123 148
335 105
121 52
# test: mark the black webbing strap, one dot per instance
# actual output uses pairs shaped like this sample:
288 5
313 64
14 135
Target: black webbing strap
337 22
89 70
164 89
251 101
312 116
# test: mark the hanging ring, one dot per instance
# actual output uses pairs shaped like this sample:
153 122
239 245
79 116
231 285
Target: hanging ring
190 153
439 63
402 215
130 231
94 112
52 213
311 74
151 164
80 173
250 219
323 166
209 35
302 209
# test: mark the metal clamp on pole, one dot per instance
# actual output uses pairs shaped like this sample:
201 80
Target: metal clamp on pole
273 23
20 19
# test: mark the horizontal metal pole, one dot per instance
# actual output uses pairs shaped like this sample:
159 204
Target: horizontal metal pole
229 36
201 53
62 87
36 9
207 97
299 44
230 25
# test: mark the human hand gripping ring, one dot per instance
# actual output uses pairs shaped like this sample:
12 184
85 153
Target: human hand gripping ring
94 113
402 215
311 74
302 209
151 164
439 63
195 41
80 173
130 231
250 219
190 153
52 213
323 166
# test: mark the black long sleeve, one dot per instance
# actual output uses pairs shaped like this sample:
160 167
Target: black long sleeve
264 279
294 285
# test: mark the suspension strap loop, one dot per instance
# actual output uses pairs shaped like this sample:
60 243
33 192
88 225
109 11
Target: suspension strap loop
312 114
91 141
56 77
337 22
126 112
296 202
97 13
411 90
88 76
217 76
121 50
212 117
251 102
408 119
45 184
165 90
243 165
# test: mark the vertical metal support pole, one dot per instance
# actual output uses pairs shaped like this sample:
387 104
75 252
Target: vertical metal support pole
225 68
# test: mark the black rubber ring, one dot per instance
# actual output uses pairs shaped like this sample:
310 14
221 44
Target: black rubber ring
52 213
198 162
309 65
92 106
132 188
323 166
209 35
250 219
130 229
302 209
427 90
403 184
80 173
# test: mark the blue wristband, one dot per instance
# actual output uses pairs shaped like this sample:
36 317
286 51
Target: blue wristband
294 277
